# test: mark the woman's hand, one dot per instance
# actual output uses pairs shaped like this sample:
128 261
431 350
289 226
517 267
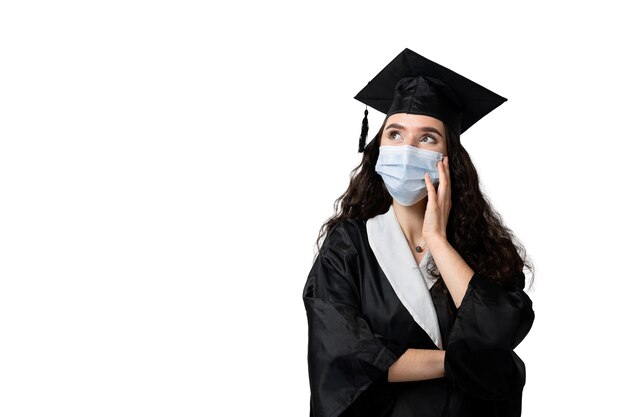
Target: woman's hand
438 205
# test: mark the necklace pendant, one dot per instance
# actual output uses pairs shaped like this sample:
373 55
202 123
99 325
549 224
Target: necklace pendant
418 249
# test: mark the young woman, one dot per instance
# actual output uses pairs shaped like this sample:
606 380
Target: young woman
415 299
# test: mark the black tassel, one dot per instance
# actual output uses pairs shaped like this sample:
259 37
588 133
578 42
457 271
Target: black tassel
364 129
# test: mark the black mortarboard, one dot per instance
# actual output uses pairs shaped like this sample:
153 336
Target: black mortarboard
413 84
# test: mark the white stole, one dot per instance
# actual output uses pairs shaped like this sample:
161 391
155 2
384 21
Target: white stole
411 282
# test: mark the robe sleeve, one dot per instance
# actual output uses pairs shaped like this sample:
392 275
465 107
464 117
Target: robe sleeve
491 321
344 356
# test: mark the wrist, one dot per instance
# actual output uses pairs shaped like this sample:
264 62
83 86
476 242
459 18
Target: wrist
442 363
436 240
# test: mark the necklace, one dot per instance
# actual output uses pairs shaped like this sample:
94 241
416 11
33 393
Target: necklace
418 248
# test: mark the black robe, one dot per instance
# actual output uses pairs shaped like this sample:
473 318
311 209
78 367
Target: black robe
358 327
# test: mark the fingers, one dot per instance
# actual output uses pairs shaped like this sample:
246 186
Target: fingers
432 194
444 175
447 196
447 165
443 168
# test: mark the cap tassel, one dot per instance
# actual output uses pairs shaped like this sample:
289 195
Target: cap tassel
364 129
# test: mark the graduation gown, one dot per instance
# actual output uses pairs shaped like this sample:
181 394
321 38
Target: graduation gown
367 302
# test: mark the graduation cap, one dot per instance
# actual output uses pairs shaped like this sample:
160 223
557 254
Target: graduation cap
413 84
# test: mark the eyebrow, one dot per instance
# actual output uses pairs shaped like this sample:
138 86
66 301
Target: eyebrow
423 128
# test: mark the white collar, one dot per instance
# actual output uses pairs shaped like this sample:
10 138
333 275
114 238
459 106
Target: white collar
410 282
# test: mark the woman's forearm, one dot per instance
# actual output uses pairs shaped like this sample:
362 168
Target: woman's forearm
456 273
417 365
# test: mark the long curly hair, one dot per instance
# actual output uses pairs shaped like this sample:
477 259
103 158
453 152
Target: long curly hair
475 230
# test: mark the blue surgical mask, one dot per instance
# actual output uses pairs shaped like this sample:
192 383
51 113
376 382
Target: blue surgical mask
402 168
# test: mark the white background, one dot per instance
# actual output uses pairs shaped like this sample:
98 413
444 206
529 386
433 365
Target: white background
165 168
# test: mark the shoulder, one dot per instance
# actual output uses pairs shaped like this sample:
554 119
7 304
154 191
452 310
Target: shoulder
511 288
345 235
519 280
335 271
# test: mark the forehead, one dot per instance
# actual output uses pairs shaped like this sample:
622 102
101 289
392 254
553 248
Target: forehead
413 121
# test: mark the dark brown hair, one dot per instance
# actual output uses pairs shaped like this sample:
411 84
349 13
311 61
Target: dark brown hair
475 230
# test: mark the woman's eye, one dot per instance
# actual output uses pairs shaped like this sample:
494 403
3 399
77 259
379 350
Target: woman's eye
396 136
393 134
